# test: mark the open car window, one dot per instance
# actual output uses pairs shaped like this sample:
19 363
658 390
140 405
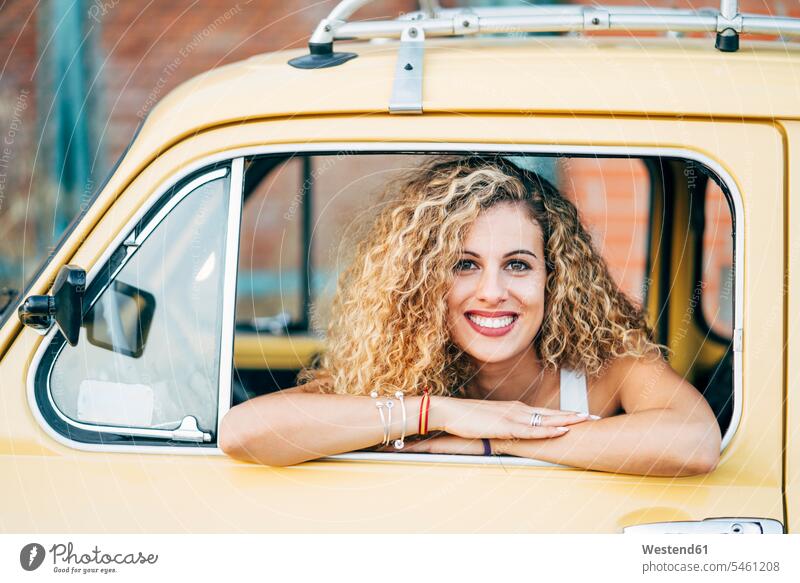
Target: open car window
638 210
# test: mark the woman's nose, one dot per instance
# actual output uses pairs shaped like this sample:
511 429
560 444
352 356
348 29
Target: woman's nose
491 288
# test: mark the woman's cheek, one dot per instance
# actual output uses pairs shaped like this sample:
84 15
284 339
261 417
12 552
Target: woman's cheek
532 296
455 323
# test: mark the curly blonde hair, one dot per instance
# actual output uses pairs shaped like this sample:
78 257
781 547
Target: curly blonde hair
388 329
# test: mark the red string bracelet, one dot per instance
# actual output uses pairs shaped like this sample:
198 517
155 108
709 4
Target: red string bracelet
424 407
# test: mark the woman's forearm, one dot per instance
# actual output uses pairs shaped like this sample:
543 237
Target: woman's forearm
284 429
656 442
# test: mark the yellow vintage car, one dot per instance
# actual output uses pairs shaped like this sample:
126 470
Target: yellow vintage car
197 278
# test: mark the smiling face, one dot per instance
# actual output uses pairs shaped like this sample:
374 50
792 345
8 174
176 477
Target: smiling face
496 304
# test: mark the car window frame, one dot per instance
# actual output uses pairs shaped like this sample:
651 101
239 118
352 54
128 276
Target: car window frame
425 148
699 255
147 219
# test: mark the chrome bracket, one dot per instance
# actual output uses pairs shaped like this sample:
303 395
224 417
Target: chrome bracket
407 88
189 431
724 23
737 340
710 526
326 30
596 19
130 242
729 26
466 24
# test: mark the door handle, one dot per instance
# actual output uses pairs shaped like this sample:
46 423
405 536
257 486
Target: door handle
709 526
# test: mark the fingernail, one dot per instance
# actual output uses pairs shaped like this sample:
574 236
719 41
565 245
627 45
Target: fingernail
595 417
562 429
582 414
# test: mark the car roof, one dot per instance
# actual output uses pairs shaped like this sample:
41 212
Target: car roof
539 75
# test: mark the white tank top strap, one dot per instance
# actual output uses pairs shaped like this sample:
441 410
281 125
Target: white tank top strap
574 395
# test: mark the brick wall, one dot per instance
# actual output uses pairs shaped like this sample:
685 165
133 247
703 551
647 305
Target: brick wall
18 135
153 49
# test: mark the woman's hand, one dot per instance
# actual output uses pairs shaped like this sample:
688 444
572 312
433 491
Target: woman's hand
478 418
444 443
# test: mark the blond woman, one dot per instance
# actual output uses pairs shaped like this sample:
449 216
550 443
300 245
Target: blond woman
478 298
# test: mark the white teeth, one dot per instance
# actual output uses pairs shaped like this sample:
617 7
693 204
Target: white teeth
484 322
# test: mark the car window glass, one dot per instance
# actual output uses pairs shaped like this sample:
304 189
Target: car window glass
270 254
613 198
347 194
717 262
176 276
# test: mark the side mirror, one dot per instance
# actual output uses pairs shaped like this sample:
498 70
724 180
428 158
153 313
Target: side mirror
121 318
65 305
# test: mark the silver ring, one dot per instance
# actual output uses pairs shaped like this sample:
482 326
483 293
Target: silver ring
536 420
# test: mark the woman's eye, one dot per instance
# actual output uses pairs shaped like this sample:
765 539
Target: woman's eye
517 265
465 265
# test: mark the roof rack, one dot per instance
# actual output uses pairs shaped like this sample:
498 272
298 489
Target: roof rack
433 21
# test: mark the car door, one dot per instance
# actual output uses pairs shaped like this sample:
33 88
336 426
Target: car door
135 483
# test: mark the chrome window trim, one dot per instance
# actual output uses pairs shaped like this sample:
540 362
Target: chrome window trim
353 148
132 243
174 201
229 290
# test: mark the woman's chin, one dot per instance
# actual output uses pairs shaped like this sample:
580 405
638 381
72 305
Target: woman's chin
493 354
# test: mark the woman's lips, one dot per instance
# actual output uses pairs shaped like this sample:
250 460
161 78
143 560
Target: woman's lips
492 324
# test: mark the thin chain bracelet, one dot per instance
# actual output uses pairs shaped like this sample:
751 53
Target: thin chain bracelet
400 443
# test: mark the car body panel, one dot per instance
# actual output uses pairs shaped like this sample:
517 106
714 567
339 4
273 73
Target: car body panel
545 75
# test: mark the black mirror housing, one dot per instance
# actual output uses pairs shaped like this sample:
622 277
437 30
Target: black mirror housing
65 305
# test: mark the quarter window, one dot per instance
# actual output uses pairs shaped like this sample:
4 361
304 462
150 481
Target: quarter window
147 363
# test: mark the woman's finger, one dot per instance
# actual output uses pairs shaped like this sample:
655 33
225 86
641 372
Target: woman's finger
539 432
545 411
555 420
557 413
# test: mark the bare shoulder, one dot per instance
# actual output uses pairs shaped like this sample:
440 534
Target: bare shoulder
639 383
603 394
635 369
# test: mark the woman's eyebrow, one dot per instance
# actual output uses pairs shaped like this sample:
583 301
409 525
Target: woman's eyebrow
509 254
520 252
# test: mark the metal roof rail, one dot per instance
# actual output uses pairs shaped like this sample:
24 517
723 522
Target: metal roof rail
432 21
